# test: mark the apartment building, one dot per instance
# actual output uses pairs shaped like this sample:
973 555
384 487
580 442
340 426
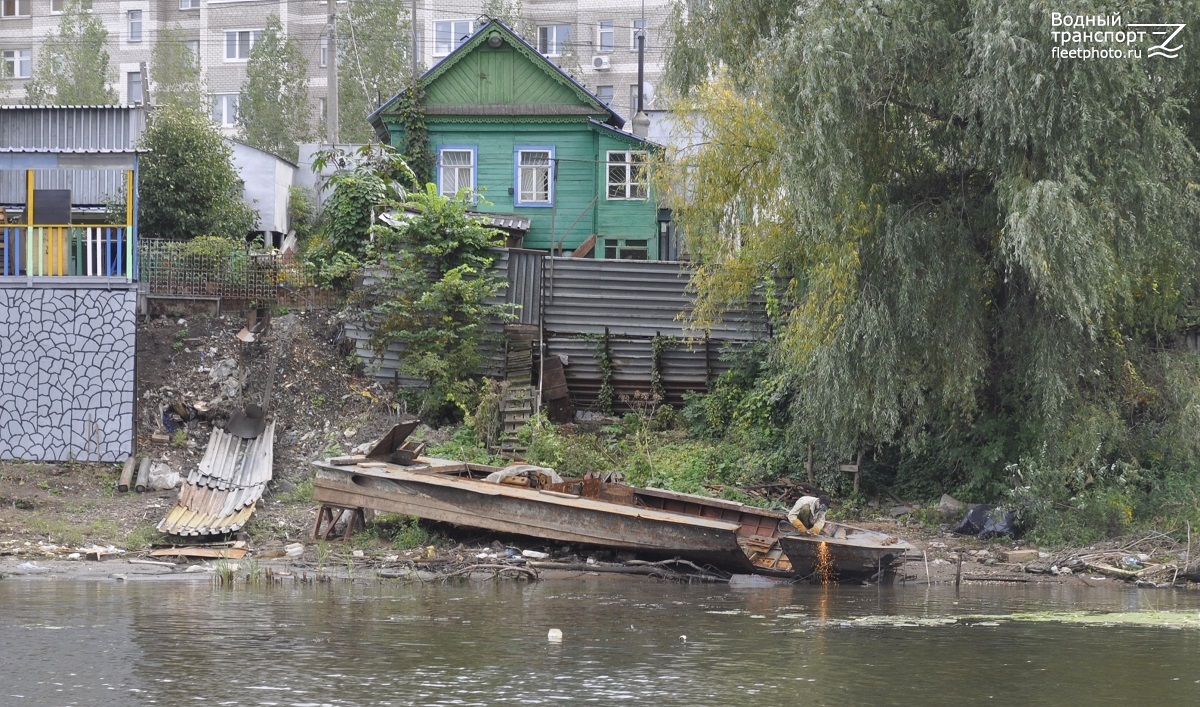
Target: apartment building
596 42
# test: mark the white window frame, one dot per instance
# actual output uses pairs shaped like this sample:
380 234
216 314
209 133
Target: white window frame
13 61
617 248
606 32
632 188
228 115
323 53
189 4
553 47
611 94
134 19
129 85
639 25
454 37
18 5
193 46
633 98
518 152
443 169
254 35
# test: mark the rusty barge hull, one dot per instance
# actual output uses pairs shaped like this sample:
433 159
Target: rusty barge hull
851 553
728 535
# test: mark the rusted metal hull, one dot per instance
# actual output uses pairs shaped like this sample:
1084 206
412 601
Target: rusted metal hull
843 552
723 534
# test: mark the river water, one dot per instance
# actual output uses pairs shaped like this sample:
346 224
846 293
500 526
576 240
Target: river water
624 642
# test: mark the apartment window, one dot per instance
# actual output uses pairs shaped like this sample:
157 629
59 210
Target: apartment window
224 108
626 175
450 35
324 57
14 8
238 44
323 110
553 39
189 4
535 184
456 170
607 36
626 249
18 63
135 25
605 94
193 46
639 29
133 87
633 98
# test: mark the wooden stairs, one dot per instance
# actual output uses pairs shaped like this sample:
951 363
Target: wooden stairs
518 400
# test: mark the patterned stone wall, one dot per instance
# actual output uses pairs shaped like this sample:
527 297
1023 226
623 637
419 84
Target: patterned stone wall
67 372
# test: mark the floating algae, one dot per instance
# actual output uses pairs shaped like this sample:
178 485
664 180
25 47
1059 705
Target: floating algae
1160 619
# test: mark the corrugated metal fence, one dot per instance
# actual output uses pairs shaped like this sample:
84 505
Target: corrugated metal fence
578 303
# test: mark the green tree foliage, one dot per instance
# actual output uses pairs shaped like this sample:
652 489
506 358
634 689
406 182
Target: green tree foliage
187 184
986 253
72 66
175 72
374 62
274 112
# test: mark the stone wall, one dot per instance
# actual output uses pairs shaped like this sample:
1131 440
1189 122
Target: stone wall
67 371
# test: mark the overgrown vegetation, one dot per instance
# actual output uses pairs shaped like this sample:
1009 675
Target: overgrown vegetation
979 270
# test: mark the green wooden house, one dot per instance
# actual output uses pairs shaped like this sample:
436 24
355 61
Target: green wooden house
541 152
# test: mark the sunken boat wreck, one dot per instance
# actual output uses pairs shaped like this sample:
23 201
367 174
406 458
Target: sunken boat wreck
536 502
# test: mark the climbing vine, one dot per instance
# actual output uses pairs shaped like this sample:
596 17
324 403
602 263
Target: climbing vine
607 394
658 386
411 114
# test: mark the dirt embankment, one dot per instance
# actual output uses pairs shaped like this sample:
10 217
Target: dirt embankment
324 406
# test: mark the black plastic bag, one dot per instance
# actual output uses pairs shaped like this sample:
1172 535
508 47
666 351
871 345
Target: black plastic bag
987 521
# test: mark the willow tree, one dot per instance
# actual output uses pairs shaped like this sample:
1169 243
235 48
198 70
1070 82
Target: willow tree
988 252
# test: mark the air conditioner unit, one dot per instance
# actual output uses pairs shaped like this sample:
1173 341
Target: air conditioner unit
600 62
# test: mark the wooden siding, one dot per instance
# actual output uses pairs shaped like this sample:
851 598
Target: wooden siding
580 155
501 76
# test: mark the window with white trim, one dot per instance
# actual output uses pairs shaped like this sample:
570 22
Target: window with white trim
193 46
189 4
449 35
324 57
17 64
605 94
133 88
14 8
456 170
135 25
535 184
633 98
552 39
626 175
639 28
225 109
607 37
238 43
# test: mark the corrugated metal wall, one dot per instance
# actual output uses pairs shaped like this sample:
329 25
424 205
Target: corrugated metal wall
71 128
88 186
579 299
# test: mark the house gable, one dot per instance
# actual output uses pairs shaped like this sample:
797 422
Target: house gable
508 79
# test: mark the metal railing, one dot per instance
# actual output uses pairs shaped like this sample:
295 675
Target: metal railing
64 250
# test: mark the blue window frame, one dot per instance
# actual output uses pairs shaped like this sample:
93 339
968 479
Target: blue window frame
534 172
457 169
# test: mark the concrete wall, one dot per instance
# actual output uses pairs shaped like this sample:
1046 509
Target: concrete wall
67 354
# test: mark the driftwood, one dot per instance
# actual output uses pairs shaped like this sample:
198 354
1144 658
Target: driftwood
635 567
496 570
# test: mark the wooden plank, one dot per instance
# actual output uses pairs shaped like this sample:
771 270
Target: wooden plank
228 553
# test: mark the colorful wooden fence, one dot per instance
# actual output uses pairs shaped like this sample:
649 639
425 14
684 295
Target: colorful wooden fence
89 251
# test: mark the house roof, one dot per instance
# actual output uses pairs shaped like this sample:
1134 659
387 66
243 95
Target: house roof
589 103
632 139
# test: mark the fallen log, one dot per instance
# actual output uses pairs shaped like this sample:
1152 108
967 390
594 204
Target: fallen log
143 476
127 474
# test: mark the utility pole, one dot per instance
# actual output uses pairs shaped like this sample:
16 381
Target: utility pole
331 82
416 63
